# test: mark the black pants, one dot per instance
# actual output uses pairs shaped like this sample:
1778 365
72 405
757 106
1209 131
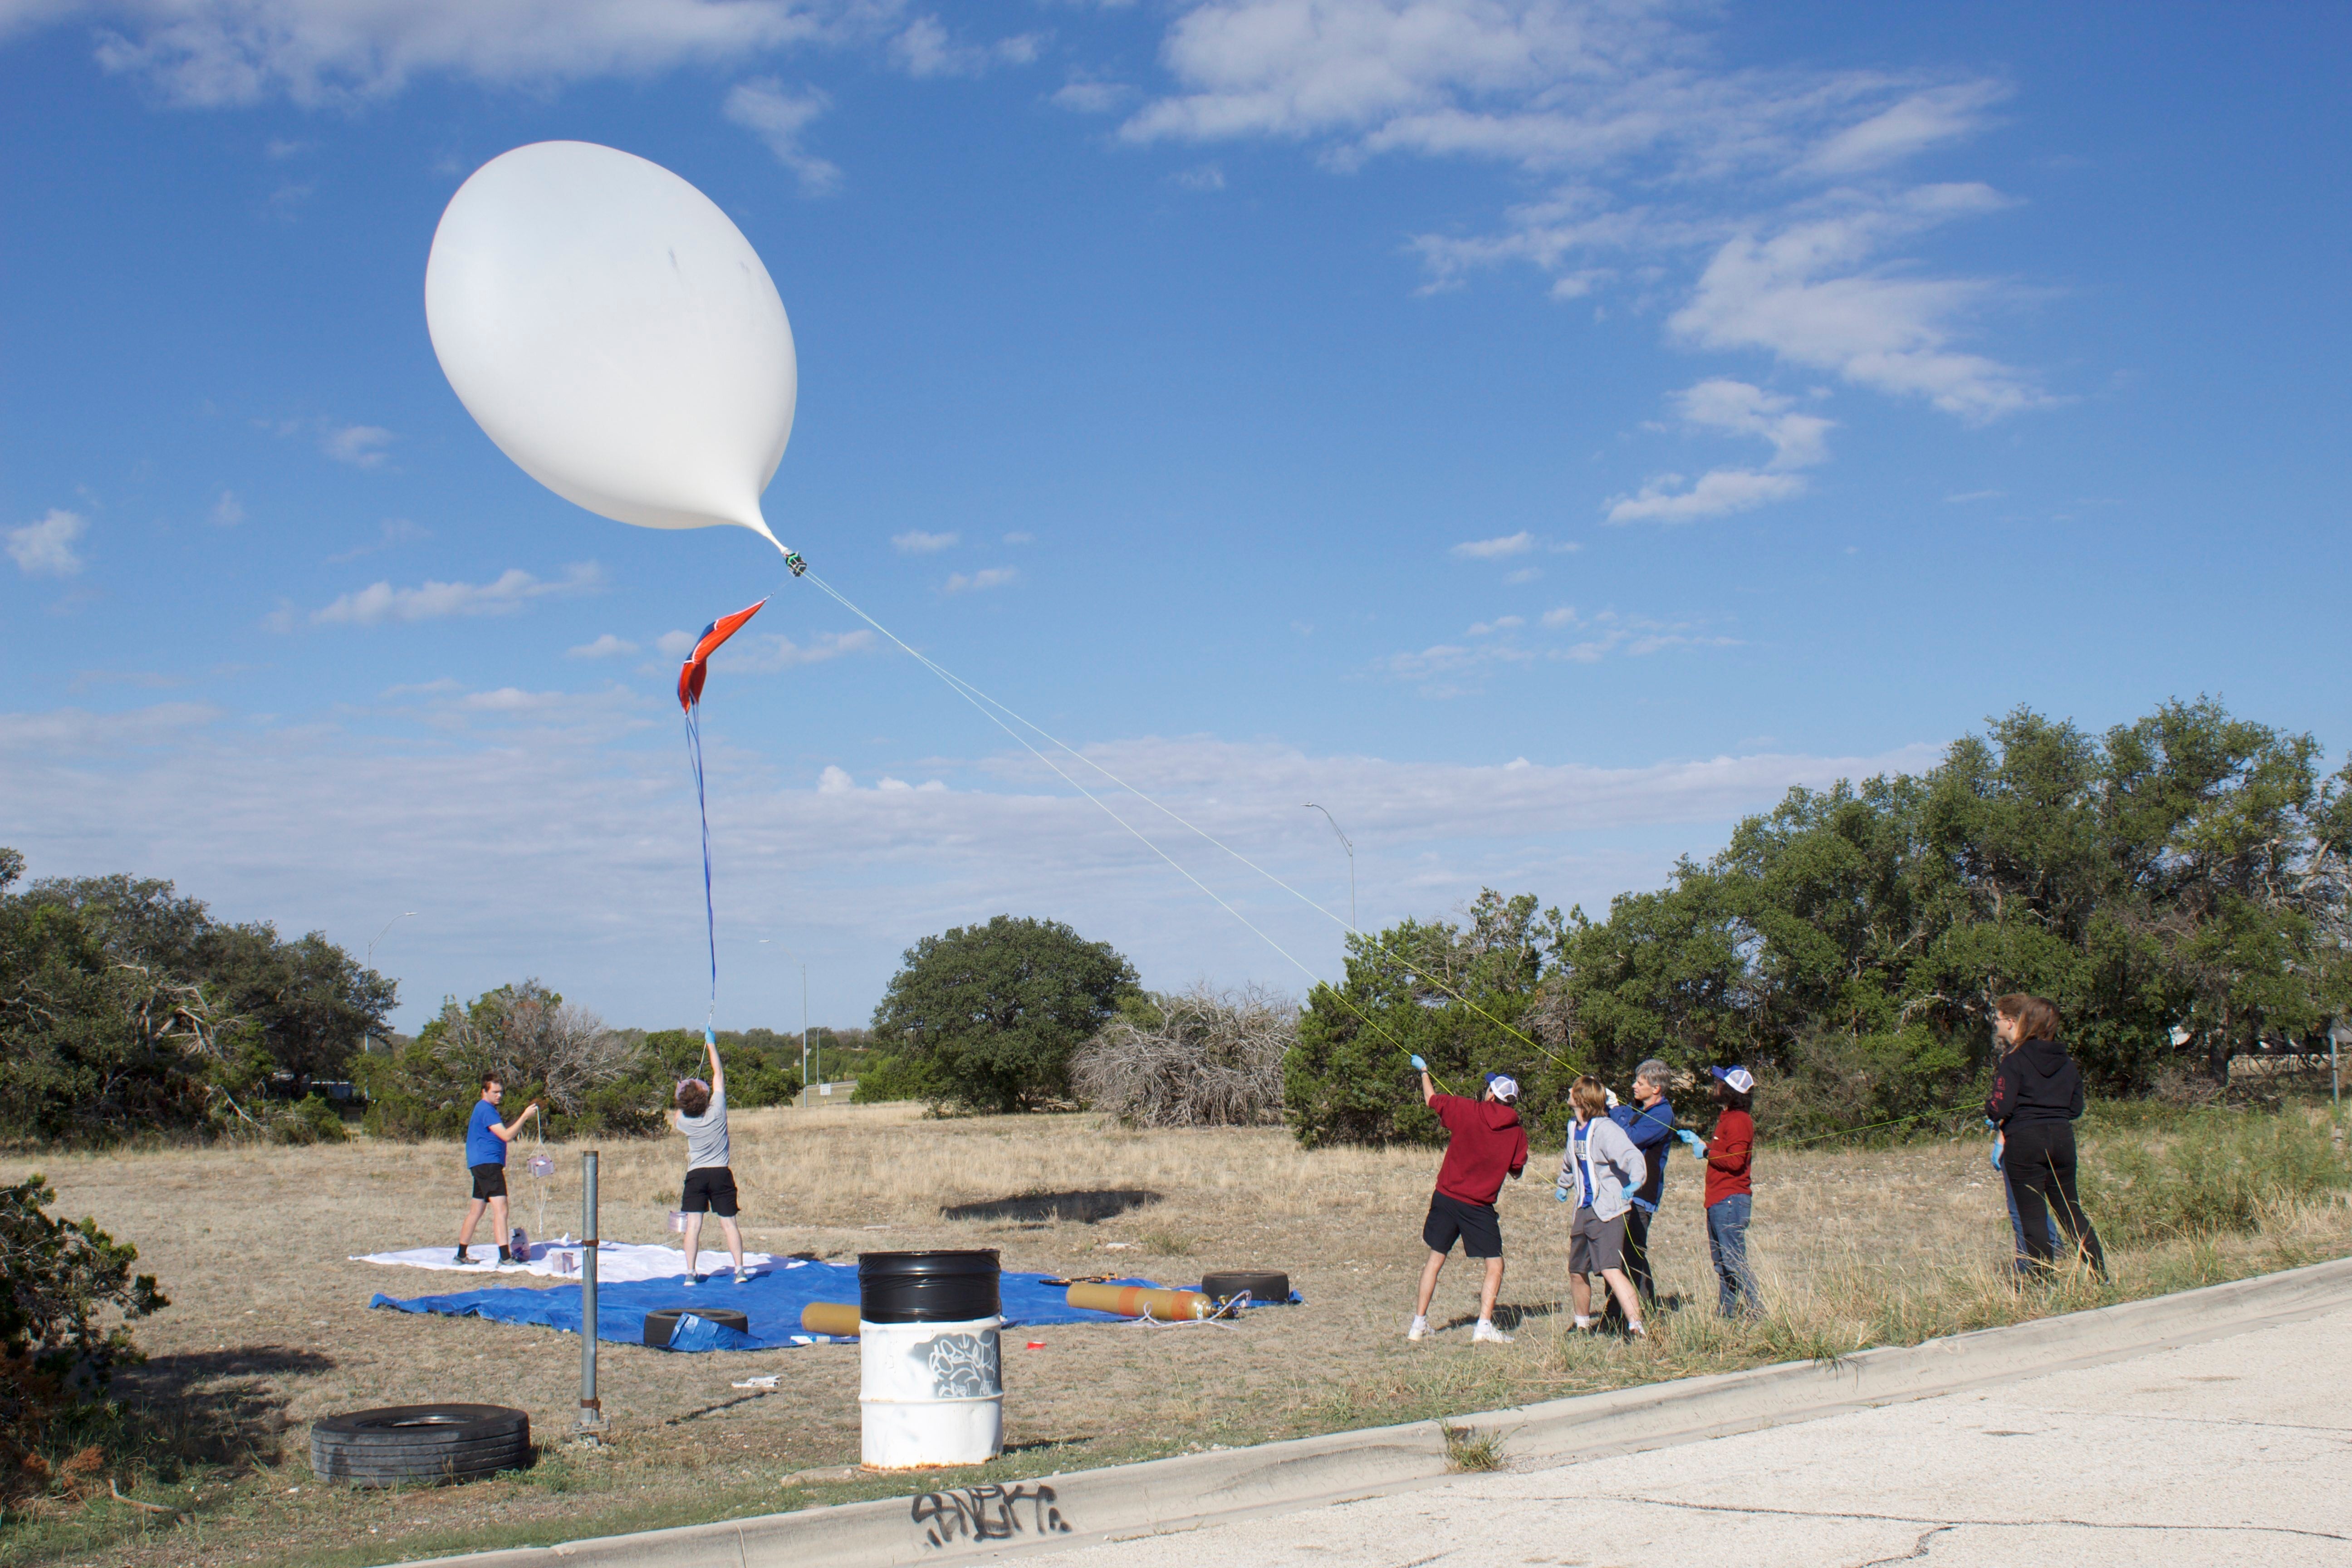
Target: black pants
1637 1266
2039 1160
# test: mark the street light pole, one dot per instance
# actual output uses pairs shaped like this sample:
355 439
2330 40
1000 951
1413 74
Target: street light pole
788 952
370 961
1350 849
404 914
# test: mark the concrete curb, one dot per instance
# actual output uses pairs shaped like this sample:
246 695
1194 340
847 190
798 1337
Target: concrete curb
980 1523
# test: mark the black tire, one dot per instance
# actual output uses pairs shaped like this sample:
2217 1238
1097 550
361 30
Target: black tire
405 1444
1264 1285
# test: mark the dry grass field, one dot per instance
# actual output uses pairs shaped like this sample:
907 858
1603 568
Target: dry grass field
269 1326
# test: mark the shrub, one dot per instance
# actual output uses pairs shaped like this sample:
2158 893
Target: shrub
992 1013
2210 1172
67 1295
1204 1058
886 1078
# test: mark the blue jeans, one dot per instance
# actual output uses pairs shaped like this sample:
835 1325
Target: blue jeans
2017 1226
1726 1244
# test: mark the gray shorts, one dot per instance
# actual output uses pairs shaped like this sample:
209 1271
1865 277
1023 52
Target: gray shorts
1595 1244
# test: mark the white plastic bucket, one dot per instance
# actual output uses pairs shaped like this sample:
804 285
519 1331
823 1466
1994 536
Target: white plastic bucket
930 1393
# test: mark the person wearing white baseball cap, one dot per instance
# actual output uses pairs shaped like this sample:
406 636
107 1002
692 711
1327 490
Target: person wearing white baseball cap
1486 1144
1729 1191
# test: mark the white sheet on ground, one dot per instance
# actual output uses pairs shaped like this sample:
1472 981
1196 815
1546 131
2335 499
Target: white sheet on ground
617 1261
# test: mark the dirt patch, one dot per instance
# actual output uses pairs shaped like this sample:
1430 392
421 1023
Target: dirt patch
270 1322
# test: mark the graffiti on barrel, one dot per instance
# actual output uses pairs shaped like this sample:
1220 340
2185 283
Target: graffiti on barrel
988 1513
963 1366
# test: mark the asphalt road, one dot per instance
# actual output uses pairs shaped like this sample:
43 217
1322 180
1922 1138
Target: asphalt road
2235 1450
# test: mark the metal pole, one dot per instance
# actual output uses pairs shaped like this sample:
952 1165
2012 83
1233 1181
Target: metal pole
1350 849
805 1029
592 1426
370 959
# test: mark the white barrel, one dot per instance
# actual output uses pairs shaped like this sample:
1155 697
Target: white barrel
930 1393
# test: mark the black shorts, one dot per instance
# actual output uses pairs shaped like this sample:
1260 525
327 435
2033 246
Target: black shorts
1480 1232
710 1190
489 1181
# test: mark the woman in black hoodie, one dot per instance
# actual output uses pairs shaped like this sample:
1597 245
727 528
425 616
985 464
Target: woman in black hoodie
2037 1093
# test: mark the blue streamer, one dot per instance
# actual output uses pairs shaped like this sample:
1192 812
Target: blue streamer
702 804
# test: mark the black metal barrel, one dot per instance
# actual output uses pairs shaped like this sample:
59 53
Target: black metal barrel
928 1286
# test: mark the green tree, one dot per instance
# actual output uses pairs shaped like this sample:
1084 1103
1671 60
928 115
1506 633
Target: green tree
1469 999
989 1016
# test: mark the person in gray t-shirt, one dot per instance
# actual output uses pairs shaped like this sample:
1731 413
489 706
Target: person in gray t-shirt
701 1115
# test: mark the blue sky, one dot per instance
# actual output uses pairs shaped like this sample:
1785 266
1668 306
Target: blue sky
1540 433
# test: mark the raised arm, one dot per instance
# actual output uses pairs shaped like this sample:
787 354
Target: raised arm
718 1073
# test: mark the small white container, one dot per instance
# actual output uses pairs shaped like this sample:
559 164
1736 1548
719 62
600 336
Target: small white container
678 1222
930 1393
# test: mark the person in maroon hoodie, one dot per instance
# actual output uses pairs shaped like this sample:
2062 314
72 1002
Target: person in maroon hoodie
1486 1144
1731 1191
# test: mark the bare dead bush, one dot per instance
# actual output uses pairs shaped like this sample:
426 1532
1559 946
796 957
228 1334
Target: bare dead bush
1213 1059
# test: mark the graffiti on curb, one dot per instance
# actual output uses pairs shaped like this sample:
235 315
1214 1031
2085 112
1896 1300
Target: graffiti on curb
988 1513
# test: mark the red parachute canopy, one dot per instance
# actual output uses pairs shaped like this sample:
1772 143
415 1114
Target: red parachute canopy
696 669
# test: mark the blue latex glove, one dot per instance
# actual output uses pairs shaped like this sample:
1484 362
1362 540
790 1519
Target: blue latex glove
1560 1194
1628 1190
1698 1144
1419 1066
1996 1156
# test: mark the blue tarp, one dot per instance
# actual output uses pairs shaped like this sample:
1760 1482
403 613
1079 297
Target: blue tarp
772 1301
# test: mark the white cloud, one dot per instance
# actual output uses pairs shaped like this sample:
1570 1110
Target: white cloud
1720 405
1084 95
227 511
1813 294
1921 121
678 645
606 646
362 446
1499 624
1716 493
764 655
990 577
47 547
1974 496
924 48
393 530
514 588
522 832
1017 537
1201 177
1742 409
916 543
1496 549
211 53
1524 574
1669 165
778 118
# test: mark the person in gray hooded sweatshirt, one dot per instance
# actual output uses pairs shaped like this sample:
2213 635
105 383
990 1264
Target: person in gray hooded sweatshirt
2037 1093
1601 1172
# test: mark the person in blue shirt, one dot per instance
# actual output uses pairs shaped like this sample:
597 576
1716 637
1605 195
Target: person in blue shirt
486 1155
1649 1122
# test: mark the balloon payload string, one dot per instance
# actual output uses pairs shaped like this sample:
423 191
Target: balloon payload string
982 702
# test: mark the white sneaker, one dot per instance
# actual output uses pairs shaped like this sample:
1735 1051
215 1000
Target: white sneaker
694 1279
1417 1328
742 1277
1487 1333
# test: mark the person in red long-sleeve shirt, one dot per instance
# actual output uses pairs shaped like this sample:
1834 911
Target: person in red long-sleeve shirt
1729 1193
1486 1144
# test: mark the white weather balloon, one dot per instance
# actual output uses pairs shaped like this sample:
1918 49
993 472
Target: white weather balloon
616 334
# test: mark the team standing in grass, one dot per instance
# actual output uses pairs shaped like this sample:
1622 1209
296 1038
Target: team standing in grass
1614 1171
